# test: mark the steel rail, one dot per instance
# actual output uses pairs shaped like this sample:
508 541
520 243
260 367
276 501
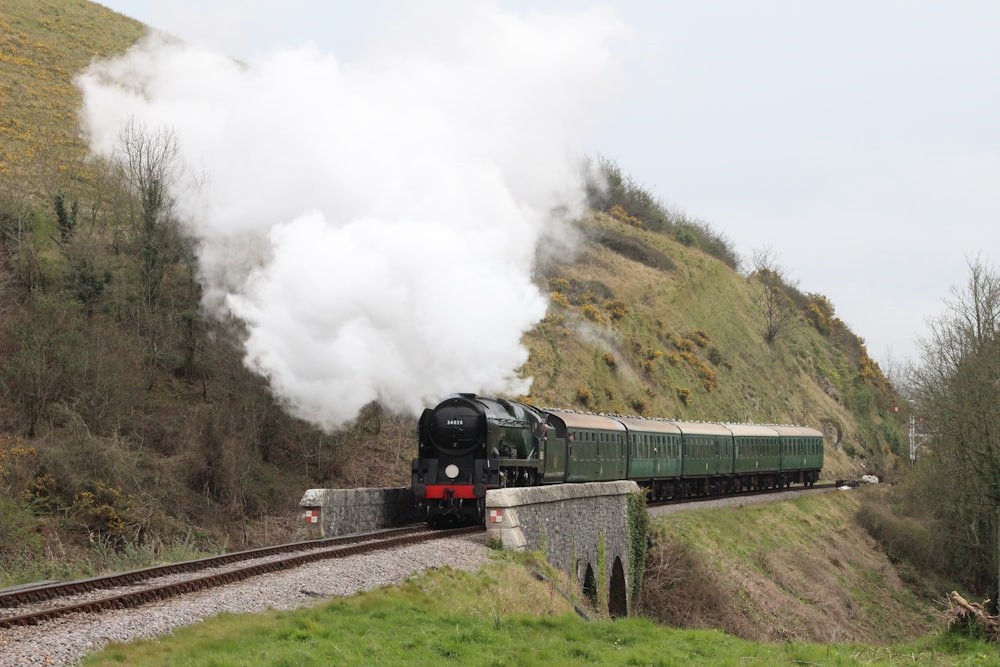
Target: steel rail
50 590
348 546
738 494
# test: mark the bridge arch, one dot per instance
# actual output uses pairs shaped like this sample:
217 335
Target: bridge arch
582 528
618 591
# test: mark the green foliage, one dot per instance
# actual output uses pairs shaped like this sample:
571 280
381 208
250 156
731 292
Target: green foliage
819 313
602 572
18 537
686 236
65 220
638 540
860 399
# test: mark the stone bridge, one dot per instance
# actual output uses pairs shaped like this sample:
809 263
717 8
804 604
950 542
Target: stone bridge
582 529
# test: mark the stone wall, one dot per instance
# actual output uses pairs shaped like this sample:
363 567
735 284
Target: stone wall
332 512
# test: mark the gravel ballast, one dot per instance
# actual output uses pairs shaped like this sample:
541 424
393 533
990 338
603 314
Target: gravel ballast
65 641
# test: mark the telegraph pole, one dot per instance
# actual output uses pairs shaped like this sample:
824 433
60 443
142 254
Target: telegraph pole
916 439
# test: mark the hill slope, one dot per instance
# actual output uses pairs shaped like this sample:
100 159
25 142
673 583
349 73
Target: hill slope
139 425
688 342
43 45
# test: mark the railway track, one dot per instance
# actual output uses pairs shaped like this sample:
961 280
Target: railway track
743 494
32 605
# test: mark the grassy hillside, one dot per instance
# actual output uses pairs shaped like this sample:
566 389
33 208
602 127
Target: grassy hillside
134 425
684 339
43 44
803 570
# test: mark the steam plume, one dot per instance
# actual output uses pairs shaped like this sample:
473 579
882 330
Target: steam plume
375 223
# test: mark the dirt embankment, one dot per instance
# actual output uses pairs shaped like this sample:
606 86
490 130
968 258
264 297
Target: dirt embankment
794 570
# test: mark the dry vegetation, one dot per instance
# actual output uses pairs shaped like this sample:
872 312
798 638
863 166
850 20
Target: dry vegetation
797 571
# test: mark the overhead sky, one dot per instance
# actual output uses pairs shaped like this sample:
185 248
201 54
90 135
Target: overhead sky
858 140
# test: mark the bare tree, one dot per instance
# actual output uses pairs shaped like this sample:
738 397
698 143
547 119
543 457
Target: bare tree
150 164
957 389
771 295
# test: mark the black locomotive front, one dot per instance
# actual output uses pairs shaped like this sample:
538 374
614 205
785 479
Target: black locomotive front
451 472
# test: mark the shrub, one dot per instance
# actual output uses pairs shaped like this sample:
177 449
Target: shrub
699 337
619 213
559 285
613 188
700 235
585 397
559 298
18 464
104 512
616 308
592 313
42 494
684 344
18 537
577 292
632 248
684 395
904 538
686 237
819 313
610 360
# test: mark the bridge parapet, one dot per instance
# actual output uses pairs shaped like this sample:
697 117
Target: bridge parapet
333 512
581 528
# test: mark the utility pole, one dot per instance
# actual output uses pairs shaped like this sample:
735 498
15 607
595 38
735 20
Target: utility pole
916 439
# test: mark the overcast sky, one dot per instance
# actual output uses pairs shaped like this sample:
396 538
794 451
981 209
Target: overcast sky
856 139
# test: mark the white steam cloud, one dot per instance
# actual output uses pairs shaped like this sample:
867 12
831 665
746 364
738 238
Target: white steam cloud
375 223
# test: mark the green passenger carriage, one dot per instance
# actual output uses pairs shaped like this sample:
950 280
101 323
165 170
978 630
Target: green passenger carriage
595 445
801 454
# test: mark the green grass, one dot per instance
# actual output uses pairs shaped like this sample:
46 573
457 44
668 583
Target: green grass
430 620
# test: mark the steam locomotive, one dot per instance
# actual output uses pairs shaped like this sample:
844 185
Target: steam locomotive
468 444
